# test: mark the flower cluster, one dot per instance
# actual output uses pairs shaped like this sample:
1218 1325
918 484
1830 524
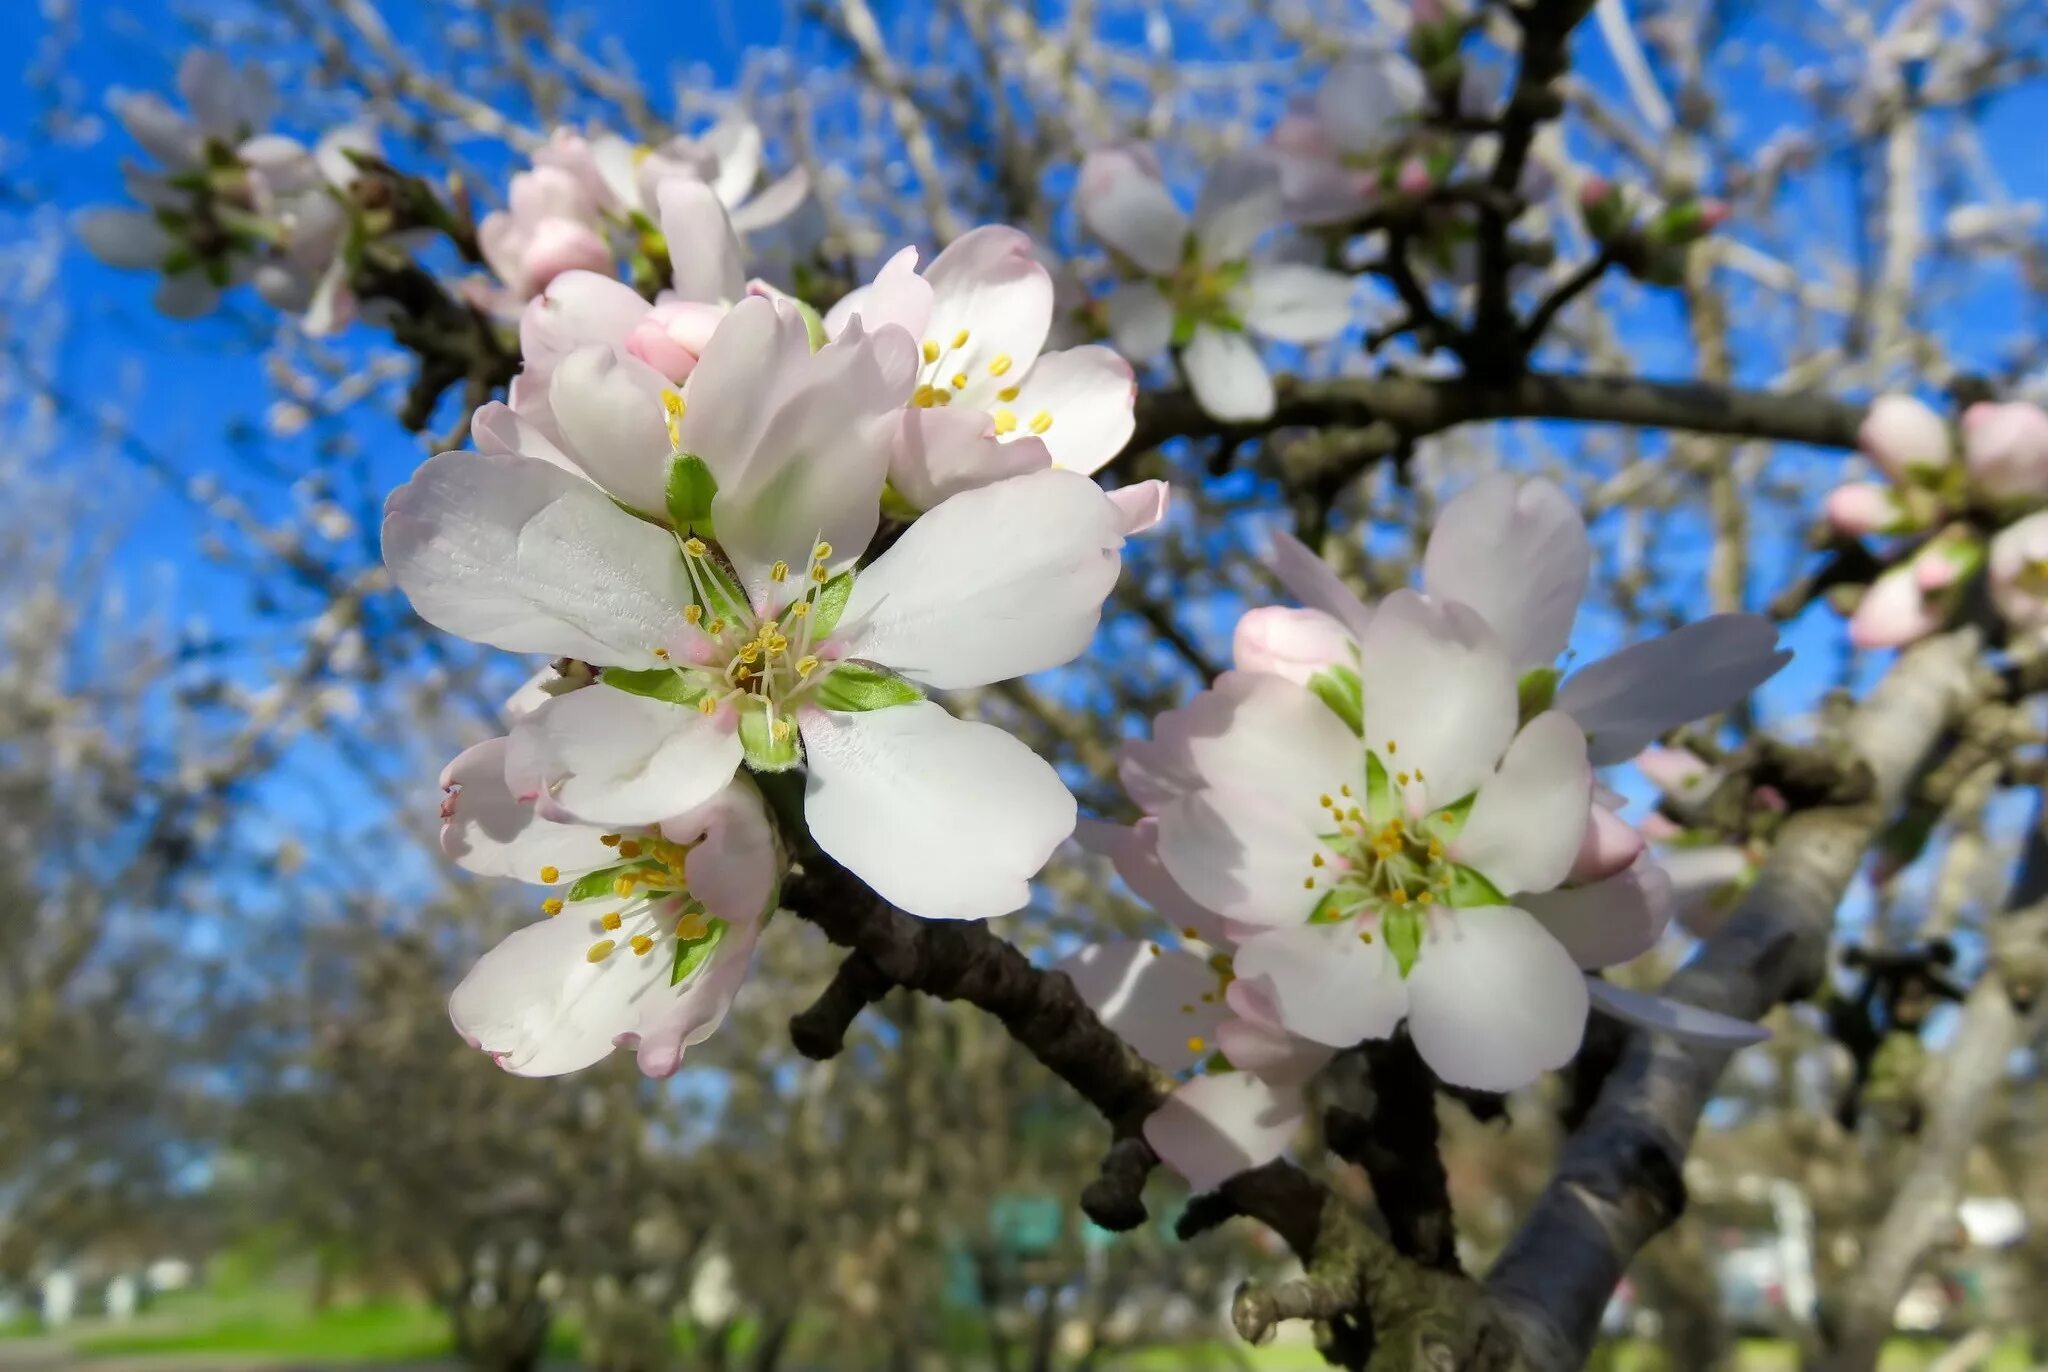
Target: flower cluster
1388 813
1958 506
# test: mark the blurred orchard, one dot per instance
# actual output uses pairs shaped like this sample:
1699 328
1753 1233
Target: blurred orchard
923 523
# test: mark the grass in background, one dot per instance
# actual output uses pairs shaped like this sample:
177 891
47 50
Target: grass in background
393 1331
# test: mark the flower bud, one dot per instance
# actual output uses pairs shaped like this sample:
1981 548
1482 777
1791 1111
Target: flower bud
2019 575
1292 643
671 336
1948 560
1865 507
1894 611
1611 845
1679 774
1906 439
2005 449
1414 177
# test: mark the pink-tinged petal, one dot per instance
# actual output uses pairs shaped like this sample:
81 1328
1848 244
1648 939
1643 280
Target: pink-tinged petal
1294 303
500 431
1627 700
1894 612
1439 689
609 408
947 818
994 583
673 335
1296 644
1610 921
1123 202
1905 438
1678 773
2005 448
1528 824
943 451
686 1015
576 309
1611 845
1271 1053
1517 552
749 369
734 864
2018 574
486 830
1495 1001
608 757
1164 1002
554 246
1160 770
1221 1124
1141 507
1139 319
1239 204
521 555
991 299
898 295
1228 377
1309 580
1858 508
704 252
1134 850
1674 1018
1325 982
1086 396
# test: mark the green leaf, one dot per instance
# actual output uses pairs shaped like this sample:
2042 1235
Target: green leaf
1536 690
662 683
690 489
829 604
1470 889
1401 927
1341 690
860 686
599 883
1381 804
691 952
764 751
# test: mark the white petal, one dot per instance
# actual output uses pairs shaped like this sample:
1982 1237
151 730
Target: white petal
608 757
1239 202
1140 320
737 144
1126 205
1438 686
1134 851
1687 1023
688 1014
1227 375
520 555
610 412
164 134
947 818
577 308
1088 394
752 363
943 451
994 583
704 253
1141 507
988 285
775 202
1494 1000
898 295
487 830
132 239
1221 1124
1525 828
1294 303
1366 100
1270 1051
1611 921
1164 1002
1625 701
1517 552
1309 580
500 431
733 864
1325 983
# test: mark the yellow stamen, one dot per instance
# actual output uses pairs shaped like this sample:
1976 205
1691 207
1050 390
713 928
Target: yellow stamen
600 950
694 547
806 665
691 927
1344 790
694 613
1006 420
924 397
1009 393
551 906
800 609
1197 1044
779 572
960 339
1325 802
630 848
930 351
707 706
1316 861
1365 936
642 945
672 407
1040 422
550 875
959 381
1308 883
715 627
622 884
609 840
1391 748
1000 365
611 920
820 575
1426 898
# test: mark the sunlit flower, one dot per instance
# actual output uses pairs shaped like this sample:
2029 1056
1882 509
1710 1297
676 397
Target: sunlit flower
2005 450
1333 152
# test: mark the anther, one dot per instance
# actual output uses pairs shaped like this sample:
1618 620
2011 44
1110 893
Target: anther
1425 898
1325 801
630 848
999 365
930 350
960 381
715 627
779 572
550 875
1197 1044
609 840
551 906
819 574
1189 931
707 706
1391 748
1009 393
1308 883
1316 861
806 665
960 339
1041 421
694 613
694 546
1006 421
1343 790
821 553
924 397
691 927
600 950
611 920
642 945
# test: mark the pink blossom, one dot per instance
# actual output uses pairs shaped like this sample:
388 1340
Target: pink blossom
1863 507
671 336
1611 846
1295 644
2005 448
1895 611
1905 438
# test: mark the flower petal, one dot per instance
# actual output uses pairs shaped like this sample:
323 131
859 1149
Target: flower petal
1221 1124
1494 1000
1123 202
1227 375
1134 851
751 364
1295 644
897 295
947 818
994 583
733 864
1164 1002
690 1013
1517 552
1294 303
609 408
704 253
990 290
1141 507
520 555
1607 922
1274 1054
1239 203
1675 1018
608 757
124 238
1325 983
1625 701
941 452
1087 395
1140 321
487 830
1309 580
1437 686
1529 820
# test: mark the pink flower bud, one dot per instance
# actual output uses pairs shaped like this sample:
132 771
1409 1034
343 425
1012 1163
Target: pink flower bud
1905 438
562 245
1292 643
2019 575
2006 449
1593 190
1863 507
1414 177
1610 846
1894 612
671 336
1713 214
1769 798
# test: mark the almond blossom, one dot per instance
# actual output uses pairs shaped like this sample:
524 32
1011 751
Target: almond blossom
1194 282
1333 153
2019 575
648 930
982 312
699 546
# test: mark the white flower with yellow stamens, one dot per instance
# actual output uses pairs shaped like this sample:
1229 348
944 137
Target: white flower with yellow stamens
646 939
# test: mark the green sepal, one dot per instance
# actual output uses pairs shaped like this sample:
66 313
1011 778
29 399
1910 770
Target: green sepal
897 506
690 490
1381 804
1401 927
829 604
1536 690
691 953
1184 329
1450 819
814 323
660 683
1341 689
859 686
591 885
765 752
1217 1063
1328 910
1469 889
